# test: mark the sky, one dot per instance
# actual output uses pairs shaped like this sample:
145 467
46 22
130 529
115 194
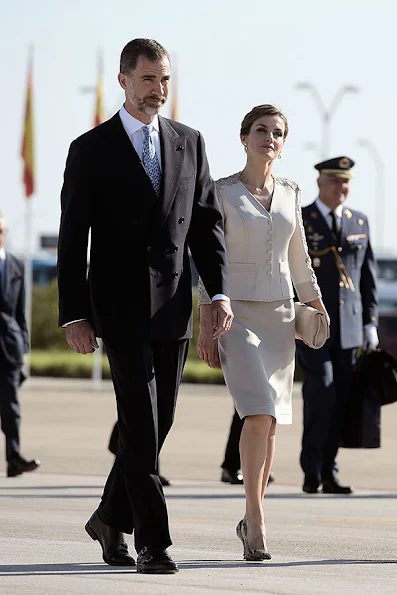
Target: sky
228 56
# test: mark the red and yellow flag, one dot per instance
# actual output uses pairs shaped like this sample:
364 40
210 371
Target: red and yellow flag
27 151
99 115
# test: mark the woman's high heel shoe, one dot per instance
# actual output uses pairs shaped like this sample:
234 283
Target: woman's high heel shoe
250 554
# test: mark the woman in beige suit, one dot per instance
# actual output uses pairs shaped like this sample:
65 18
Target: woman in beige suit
267 255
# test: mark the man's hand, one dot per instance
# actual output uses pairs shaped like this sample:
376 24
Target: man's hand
371 340
81 337
222 317
207 349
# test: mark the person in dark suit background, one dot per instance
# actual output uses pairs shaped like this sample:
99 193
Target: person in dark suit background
141 184
339 245
13 345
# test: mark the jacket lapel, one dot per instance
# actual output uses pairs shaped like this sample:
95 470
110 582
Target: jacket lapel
320 224
9 272
2 279
127 156
345 224
172 156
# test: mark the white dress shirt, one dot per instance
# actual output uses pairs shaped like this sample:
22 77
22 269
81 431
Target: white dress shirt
133 128
2 254
326 213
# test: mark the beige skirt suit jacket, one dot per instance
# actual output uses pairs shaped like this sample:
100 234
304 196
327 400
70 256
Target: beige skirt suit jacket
267 257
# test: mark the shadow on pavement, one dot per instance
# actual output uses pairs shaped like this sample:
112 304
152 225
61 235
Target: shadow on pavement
77 569
202 496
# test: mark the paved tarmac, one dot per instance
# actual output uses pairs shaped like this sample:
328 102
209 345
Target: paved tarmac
320 544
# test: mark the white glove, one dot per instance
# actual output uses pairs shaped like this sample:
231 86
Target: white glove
371 340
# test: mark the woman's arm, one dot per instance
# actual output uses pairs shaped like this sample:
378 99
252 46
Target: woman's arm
302 273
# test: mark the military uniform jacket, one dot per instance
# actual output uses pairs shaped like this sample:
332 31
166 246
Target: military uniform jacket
346 273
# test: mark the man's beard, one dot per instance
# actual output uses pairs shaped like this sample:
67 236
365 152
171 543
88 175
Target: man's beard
142 106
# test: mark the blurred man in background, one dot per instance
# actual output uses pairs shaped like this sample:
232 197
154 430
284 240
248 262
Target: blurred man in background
13 345
340 248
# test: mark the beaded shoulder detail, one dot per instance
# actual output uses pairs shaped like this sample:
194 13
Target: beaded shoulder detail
288 183
229 181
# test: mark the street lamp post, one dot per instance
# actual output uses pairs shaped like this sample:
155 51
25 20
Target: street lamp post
380 189
326 115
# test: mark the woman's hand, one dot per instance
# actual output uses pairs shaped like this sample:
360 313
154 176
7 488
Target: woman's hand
319 305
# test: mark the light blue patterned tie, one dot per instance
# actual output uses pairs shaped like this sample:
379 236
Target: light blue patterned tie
149 159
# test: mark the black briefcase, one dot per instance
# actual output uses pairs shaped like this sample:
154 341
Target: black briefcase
382 373
362 423
374 384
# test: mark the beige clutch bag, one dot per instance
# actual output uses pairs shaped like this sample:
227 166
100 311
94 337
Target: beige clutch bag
311 326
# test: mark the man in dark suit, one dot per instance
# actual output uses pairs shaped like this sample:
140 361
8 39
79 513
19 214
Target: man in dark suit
13 345
112 447
340 248
141 184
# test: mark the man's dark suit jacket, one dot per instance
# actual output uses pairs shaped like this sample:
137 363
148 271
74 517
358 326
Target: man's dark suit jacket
139 278
13 328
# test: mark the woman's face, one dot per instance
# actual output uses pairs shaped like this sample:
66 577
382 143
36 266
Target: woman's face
266 138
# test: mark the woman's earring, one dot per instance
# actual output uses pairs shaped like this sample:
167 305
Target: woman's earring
279 155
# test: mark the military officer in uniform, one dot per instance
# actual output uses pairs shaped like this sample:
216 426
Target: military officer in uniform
339 245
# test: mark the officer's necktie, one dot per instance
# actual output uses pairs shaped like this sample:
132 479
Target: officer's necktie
335 227
149 159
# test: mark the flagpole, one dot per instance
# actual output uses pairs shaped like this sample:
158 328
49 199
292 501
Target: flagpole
98 119
174 92
29 183
28 274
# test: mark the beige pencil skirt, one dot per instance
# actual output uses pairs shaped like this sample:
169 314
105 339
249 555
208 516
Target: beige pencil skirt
258 358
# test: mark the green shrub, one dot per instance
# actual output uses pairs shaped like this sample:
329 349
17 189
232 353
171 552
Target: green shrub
45 333
52 356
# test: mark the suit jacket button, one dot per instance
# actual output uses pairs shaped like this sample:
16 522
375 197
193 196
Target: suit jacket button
149 248
134 221
181 220
175 275
340 249
175 249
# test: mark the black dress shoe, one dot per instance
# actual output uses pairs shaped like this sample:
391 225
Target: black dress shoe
164 481
18 465
155 561
332 486
114 548
233 477
311 483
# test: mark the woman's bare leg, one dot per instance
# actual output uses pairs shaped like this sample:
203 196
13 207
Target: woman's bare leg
253 450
